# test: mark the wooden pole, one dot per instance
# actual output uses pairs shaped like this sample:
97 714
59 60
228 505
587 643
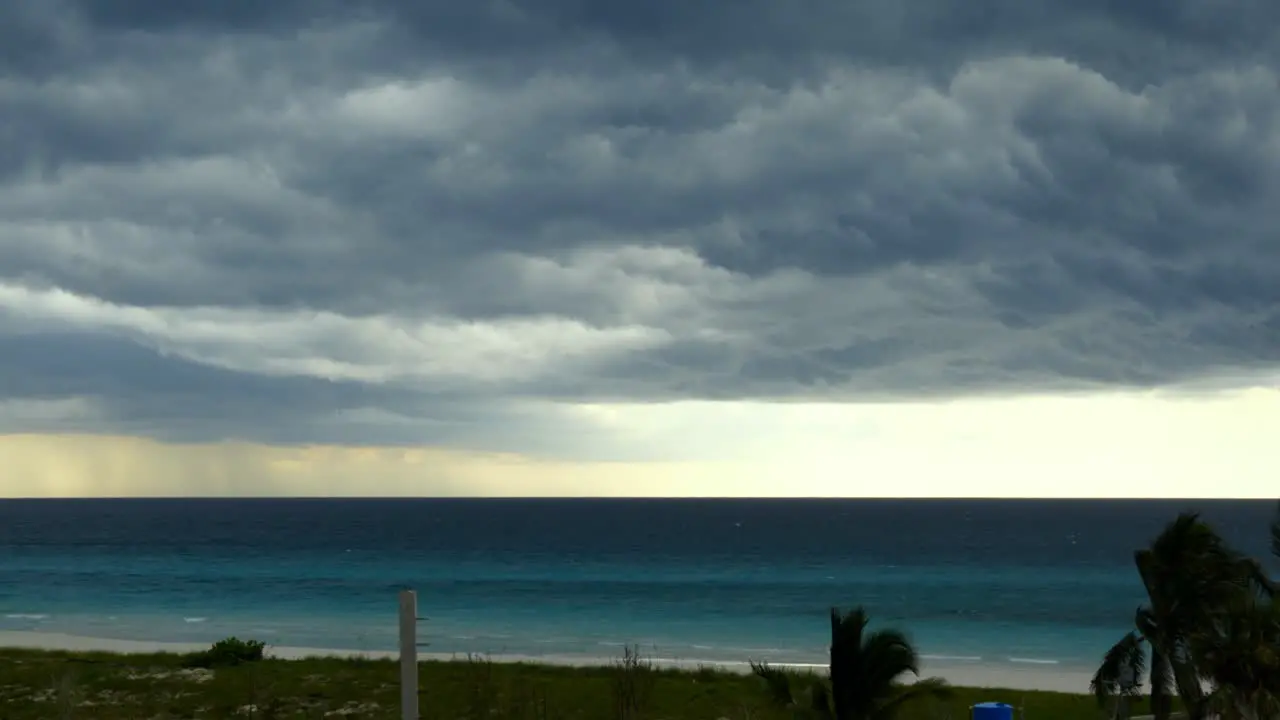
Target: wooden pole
409 655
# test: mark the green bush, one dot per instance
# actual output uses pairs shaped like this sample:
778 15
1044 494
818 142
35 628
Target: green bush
229 653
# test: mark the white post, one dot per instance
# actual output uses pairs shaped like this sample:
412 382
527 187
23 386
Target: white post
409 655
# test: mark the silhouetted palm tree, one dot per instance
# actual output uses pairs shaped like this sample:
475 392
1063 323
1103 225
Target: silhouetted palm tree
1240 653
1240 657
866 673
1190 576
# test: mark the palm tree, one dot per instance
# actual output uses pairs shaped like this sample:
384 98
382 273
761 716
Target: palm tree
1190 574
1240 653
1240 658
865 674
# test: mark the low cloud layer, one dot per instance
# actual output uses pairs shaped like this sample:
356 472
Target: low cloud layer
1114 446
442 222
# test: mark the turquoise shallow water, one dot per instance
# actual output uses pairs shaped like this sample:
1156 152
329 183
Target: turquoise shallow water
998 583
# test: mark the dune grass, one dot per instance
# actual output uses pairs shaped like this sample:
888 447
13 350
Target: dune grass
40 685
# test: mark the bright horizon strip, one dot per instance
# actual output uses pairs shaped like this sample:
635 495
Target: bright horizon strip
1118 445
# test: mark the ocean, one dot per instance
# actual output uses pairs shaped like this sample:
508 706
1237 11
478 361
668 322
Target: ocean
998 583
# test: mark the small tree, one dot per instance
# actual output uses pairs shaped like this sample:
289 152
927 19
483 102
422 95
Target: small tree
864 681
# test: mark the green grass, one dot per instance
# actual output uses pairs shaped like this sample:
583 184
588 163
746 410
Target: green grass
43 685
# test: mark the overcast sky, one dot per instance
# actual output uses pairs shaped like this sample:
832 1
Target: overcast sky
621 247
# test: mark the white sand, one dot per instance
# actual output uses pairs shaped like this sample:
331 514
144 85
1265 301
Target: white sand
1046 677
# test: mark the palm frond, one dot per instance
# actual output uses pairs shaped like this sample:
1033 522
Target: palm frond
1242 657
847 627
1122 669
1257 582
887 655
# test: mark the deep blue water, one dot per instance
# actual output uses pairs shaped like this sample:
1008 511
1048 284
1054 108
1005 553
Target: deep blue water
1004 581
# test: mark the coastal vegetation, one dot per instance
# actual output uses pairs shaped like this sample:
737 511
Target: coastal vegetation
229 653
47 685
865 677
1208 635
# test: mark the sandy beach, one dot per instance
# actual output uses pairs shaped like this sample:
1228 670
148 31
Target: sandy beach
959 673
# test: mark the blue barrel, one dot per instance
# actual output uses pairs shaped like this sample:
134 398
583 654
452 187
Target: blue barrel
991 711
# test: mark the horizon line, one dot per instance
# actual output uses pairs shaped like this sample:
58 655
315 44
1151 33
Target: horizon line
634 498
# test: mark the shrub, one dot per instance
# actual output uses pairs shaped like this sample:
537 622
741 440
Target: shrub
229 652
633 681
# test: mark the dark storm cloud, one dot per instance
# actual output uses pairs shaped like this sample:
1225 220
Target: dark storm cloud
392 221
